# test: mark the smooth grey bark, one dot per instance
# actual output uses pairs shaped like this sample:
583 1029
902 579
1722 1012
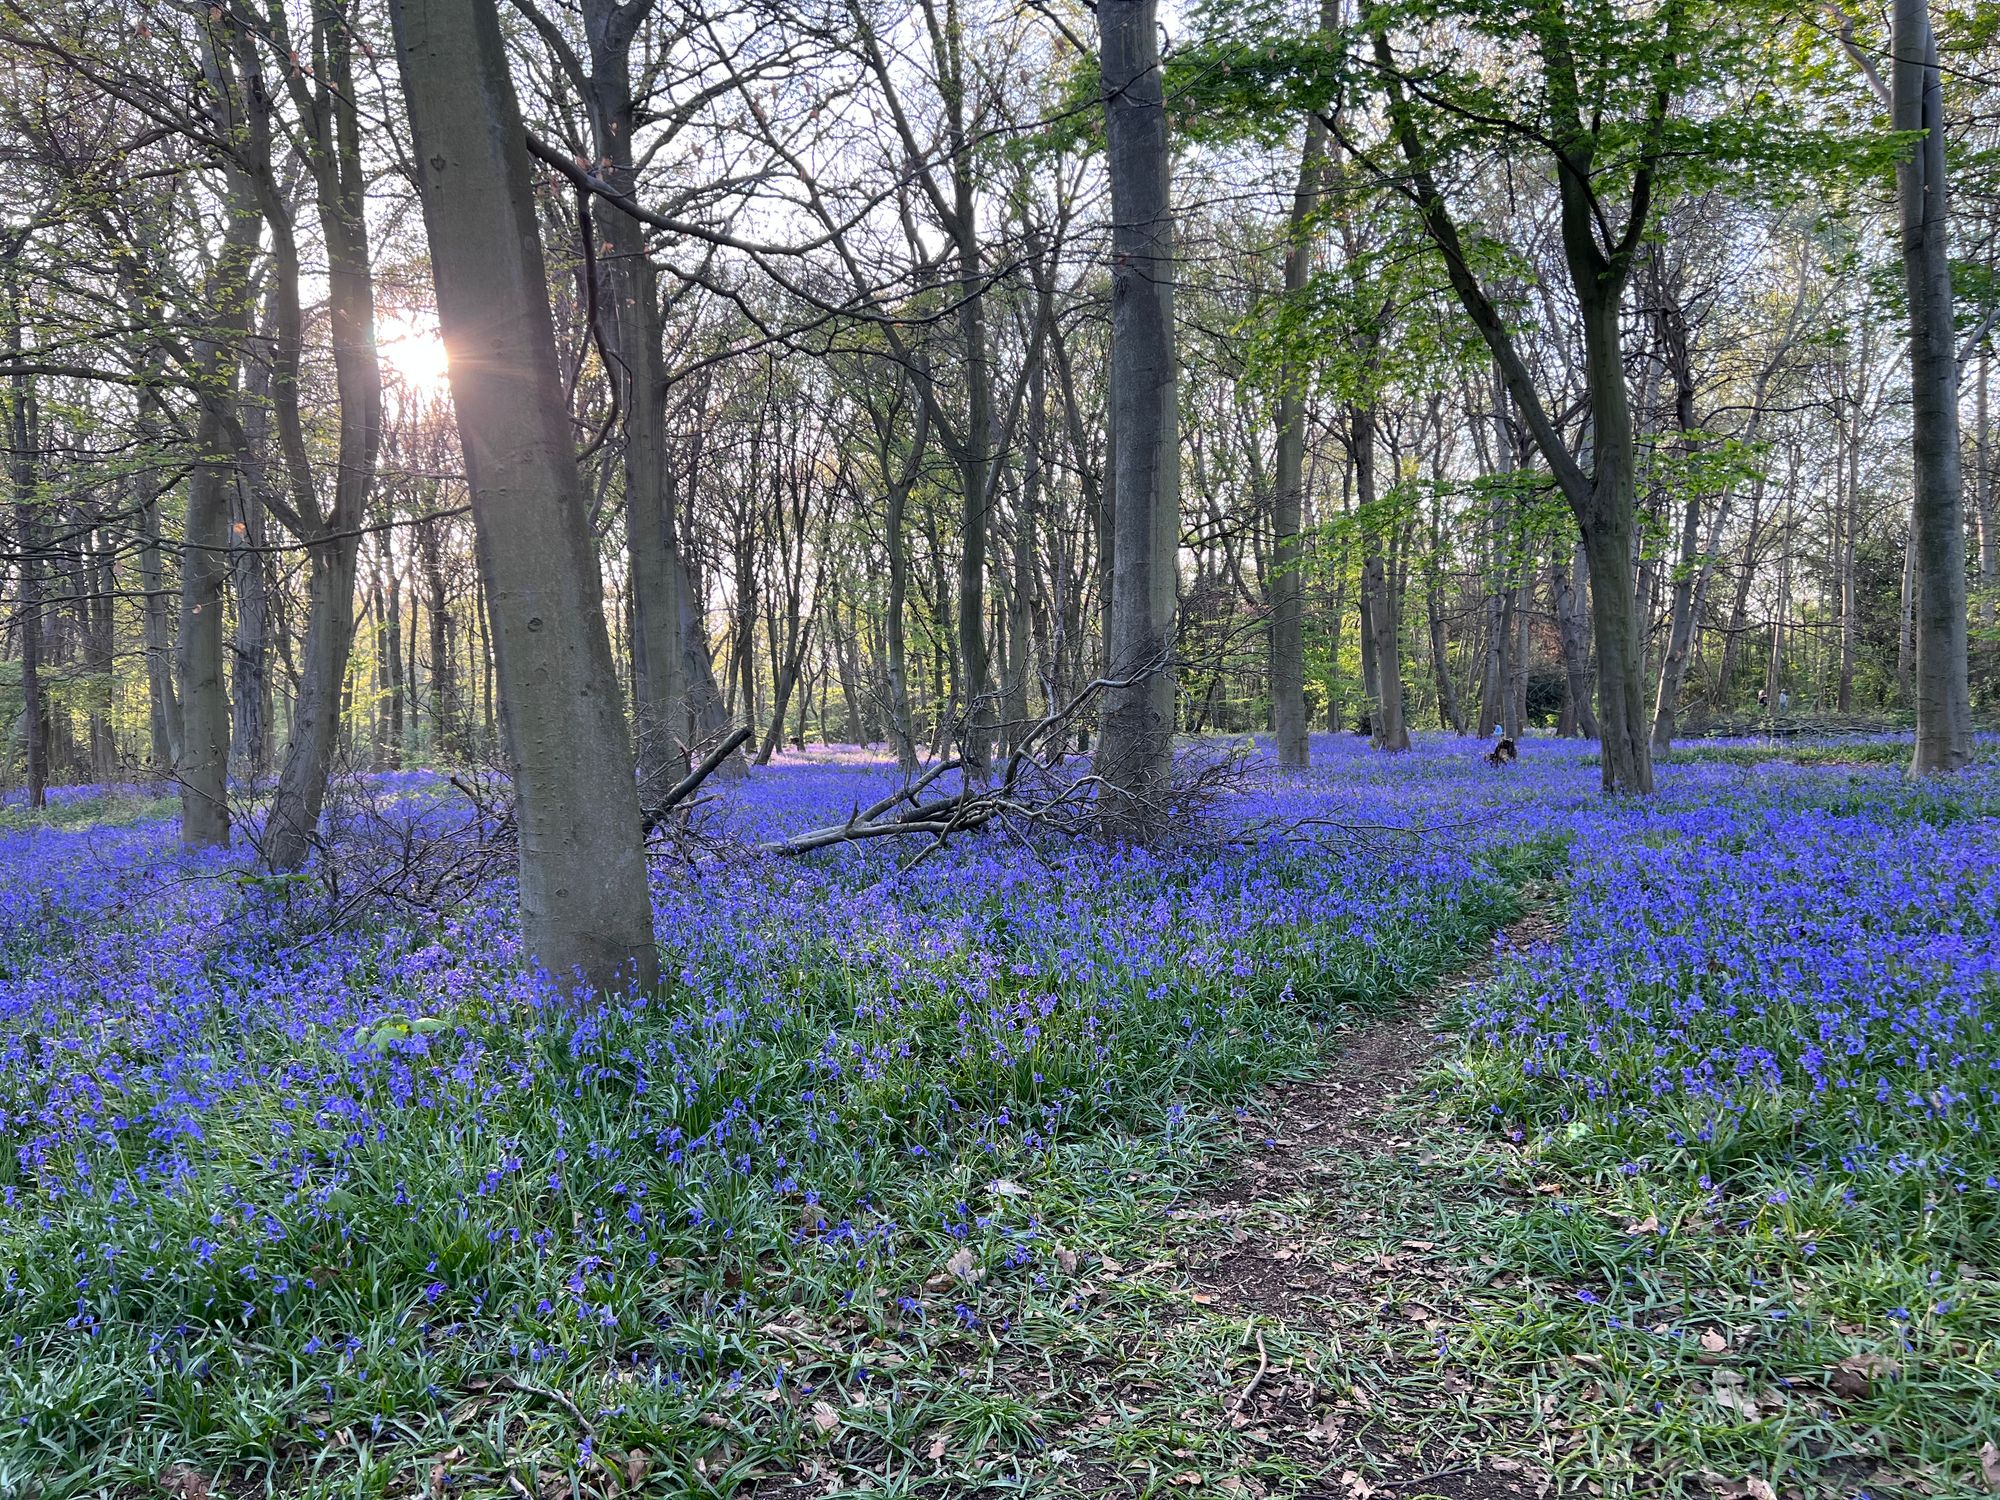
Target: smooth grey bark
1681 617
390 659
162 700
1515 722
443 683
1450 715
585 908
1135 748
328 135
203 767
1609 534
1937 539
1288 650
661 712
22 441
249 678
1381 602
1570 587
23 444
1989 532
1027 525
1738 625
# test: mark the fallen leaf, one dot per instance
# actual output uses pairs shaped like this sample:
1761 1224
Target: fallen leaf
1760 1489
441 1472
1187 1480
1204 1299
824 1417
1000 1187
1730 1394
183 1483
1066 1261
937 1448
1989 1464
960 1264
637 1465
1648 1225
1713 1341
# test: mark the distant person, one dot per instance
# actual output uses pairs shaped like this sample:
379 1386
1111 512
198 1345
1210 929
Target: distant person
1763 700
1502 754
1784 702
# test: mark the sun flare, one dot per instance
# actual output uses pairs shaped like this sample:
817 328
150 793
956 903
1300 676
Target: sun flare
413 349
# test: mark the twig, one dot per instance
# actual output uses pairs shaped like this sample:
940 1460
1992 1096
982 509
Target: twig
1263 1365
509 1383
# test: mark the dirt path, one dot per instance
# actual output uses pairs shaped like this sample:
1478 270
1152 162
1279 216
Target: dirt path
1297 1194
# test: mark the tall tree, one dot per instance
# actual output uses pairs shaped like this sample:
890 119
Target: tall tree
585 908
1135 749
1937 518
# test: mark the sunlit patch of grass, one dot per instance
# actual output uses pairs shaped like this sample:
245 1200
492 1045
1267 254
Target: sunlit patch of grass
85 807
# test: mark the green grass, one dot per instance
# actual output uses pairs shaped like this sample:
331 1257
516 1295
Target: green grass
115 807
426 1343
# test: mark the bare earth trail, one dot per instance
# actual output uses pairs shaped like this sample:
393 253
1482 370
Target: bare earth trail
1283 1249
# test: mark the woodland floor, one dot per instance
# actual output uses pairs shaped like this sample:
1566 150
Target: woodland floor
1221 1173
1270 1323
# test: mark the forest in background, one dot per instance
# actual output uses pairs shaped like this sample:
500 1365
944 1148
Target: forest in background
841 390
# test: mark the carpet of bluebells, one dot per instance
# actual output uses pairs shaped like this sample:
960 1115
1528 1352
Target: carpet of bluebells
280 1200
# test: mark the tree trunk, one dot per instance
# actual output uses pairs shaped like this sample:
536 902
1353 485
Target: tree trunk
1135 750
162 701
392 621
334 542
443 685
1572 609
585 908
1381 611
1937 536
1606 522
203 768
1680 629
1520 613
1288 648
660 716
1989 522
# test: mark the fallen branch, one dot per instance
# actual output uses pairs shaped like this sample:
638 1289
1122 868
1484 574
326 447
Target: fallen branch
686 786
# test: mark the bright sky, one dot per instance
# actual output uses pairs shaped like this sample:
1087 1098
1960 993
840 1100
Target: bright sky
412 349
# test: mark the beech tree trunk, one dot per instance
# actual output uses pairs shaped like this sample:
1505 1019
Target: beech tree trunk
660 707
585 908
1937 535
1135 749
340 184
162 700
203 767
1381 609
1572 609
1288 650
1607 523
